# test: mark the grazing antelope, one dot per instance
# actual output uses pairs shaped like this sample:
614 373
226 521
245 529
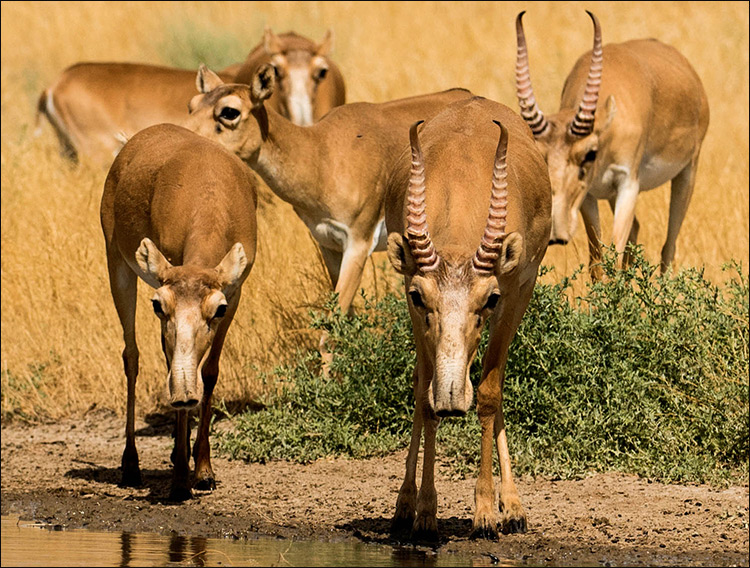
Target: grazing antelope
463 266
308 82
649 131
95 107
178 211
333 172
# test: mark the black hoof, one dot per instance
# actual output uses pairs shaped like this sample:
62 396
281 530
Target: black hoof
484 533
401 527
425 536
131 478
208 484
514 526
180 494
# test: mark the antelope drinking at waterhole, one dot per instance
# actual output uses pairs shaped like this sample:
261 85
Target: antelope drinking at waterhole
468 225
178 211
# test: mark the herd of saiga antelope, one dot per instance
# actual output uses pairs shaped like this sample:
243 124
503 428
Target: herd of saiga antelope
179 211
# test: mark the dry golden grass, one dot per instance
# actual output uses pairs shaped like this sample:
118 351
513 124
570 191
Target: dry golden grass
61 341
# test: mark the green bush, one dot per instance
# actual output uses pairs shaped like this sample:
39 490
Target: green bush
644 374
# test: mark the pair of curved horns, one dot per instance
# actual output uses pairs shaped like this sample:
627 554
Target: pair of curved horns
417 234
583 122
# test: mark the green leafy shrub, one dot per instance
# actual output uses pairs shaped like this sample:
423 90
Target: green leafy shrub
645 374
363 409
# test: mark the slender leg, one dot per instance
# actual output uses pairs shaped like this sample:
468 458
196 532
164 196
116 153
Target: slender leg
632 237
485 514
332 259
590 215
124 287
180 490
406 504
512 514
204 473
352 267
624 213
681 192
490 410
425 524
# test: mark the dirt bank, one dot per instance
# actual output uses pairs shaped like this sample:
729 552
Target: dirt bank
67 473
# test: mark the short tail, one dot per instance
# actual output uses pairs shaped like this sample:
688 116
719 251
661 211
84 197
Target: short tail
45 107
41 109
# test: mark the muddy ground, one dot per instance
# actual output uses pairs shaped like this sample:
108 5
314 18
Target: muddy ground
67 474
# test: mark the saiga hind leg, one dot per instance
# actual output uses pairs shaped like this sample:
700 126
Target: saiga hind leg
681 193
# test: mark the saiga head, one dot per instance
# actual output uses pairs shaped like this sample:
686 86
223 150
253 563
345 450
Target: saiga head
569 140
191 303
298 74
232 114
451 298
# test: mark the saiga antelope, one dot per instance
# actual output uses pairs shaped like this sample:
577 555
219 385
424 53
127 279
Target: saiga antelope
333 172
94 107
178 211
649 131
309 83
463 266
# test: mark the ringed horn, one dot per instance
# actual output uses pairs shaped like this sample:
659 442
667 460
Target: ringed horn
417 234
583 122
416 230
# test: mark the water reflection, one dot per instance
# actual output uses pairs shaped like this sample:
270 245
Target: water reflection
28 544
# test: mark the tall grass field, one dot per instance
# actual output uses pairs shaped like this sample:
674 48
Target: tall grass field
61 340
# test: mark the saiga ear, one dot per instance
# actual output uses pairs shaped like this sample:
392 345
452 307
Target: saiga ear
510 253
271 42
400 255
325 47
610 109
206 80
231 268
152 262
263 84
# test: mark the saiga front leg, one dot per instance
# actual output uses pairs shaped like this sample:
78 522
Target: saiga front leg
406 504
632 237
624 213
590 215
180 490
425 524
124 287
490 410
512 513
204 473
352 266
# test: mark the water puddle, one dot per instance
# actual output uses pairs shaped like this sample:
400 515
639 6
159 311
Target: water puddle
33 544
